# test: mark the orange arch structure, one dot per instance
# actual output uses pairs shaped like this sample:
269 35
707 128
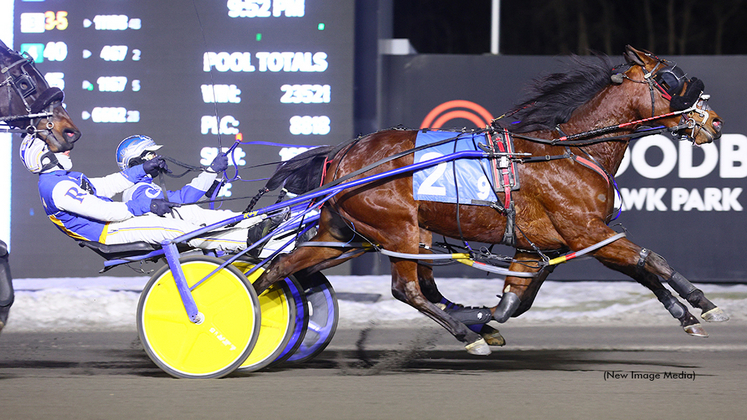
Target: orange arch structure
457 109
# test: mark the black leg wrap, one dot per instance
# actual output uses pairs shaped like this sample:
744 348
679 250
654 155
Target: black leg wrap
692 294
466 315
670 302
681 285
508 305
698 300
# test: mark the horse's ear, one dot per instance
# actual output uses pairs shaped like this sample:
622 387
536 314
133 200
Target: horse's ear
634 56
2 44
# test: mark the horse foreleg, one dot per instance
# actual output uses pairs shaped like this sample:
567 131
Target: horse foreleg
644 266
695 297
688 322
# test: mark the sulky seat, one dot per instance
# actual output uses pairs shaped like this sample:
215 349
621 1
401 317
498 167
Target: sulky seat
111 252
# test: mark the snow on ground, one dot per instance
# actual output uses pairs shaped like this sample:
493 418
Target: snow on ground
110 303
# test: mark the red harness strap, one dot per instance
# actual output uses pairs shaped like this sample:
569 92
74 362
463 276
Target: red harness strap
593 166
506 167
324 170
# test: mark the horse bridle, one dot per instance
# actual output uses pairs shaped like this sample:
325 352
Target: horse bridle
669 80
24 86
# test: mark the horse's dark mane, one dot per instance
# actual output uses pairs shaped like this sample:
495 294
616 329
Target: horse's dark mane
551 99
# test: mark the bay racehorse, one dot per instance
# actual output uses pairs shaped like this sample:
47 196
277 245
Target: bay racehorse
569 137
29 105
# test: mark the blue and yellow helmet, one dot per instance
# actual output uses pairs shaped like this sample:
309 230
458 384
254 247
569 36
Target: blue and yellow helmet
133 150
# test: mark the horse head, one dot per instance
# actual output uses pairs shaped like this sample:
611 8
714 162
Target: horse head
671 91
27 102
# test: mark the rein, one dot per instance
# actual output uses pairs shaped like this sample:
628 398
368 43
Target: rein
580 139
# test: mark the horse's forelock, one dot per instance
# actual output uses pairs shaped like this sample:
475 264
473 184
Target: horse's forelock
551 99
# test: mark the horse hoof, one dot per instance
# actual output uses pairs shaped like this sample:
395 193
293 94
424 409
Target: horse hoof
479 348
492 336
696 330
715 315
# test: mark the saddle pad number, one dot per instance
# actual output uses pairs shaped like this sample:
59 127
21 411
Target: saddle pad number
427 188
437 183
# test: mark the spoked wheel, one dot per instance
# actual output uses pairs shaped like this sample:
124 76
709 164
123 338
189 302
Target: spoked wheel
323 316
302 320
222 339
279 316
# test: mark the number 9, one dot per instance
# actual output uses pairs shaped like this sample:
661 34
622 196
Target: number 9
483 188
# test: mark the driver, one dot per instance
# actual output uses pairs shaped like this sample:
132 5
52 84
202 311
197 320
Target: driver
82 208
138 149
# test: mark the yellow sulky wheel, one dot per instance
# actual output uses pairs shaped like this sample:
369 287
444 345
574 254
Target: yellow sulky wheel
278 309
229 323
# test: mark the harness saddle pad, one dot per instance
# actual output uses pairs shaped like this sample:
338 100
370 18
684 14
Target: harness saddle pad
473 183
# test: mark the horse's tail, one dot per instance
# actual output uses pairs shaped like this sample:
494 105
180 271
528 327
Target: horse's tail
301 173
298 175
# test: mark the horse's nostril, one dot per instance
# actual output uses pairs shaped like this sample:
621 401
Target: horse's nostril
717 125
71 135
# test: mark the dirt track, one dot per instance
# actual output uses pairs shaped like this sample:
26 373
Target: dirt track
559 372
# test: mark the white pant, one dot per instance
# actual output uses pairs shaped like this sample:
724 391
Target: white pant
154 229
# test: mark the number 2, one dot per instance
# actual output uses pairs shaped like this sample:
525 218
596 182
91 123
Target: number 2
427 188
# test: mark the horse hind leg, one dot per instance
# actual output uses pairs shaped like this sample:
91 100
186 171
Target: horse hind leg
519 292
406 288
475 319
309 258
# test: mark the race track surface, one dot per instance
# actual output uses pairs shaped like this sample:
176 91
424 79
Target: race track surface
382 372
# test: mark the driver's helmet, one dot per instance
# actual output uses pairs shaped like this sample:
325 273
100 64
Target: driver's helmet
135 150
36 156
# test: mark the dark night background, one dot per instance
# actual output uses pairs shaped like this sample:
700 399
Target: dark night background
552 27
